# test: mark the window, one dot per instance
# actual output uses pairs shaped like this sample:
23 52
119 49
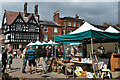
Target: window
32 28
37 36
55 30
45 37
74 24
18 27
78 24
69 23
45 29
69 30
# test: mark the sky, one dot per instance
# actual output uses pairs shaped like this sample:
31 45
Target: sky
92 11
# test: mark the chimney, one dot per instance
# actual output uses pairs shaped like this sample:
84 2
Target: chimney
76 16
36 10
105 24
25 9
56 17
109 23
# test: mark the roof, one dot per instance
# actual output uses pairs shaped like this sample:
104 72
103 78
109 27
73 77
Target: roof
85 27
11 16
71 18
117 28
50 23
100 27
112 29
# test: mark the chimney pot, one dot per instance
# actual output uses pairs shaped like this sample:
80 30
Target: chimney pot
25 9
76 16
36 10
56 17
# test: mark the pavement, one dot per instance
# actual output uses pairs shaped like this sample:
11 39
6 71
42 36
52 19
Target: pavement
16 71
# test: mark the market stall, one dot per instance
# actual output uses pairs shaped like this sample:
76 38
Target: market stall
89 37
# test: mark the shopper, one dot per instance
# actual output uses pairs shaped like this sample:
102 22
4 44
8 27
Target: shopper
9 58
38 53
43 52
24 59
4 60
31 55
15 54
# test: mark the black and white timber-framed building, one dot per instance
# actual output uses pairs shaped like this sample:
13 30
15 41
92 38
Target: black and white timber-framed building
21 28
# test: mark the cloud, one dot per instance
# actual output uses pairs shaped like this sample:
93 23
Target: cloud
59 0
94 12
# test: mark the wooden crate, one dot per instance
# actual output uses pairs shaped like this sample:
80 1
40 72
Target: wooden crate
115 61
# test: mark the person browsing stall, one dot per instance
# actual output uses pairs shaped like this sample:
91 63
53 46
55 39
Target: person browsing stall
31 55
24 59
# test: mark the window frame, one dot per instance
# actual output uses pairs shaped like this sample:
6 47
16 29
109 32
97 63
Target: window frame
55 30
46 29
74 24
69 23
46 37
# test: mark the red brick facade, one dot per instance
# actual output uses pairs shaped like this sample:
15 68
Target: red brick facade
50 32
68 23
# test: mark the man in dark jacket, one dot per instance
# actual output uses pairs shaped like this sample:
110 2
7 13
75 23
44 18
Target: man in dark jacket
4 60
38 53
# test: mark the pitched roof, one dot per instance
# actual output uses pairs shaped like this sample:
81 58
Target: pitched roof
48 23
11 16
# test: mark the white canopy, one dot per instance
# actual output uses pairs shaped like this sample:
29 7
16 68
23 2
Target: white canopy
111 29
30 44
51 42
38 43
86 26
75 44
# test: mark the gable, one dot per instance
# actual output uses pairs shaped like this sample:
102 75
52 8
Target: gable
19 19
32 20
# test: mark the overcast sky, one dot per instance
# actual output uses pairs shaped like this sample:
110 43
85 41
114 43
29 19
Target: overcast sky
93 12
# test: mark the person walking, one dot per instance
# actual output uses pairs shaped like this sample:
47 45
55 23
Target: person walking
15 54
24 59
9 59
31 55
4 60
43 52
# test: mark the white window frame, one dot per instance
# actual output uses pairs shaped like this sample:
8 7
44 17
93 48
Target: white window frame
69 23
55 30
46 29
74 24
45 37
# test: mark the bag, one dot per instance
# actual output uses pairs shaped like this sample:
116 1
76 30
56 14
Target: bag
47 53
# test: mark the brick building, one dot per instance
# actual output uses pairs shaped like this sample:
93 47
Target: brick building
48 30
68 23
